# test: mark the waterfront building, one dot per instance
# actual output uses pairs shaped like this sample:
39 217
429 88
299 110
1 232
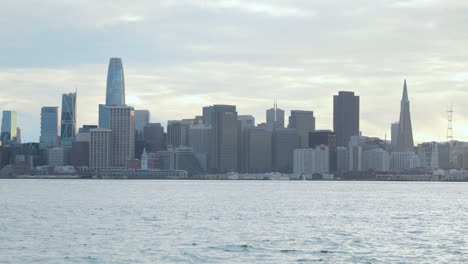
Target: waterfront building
376 160
311 160
144 160
403 161
80 153
304 123
49 127
345 117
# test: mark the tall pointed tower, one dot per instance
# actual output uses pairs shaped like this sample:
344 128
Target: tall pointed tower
115 91
405 131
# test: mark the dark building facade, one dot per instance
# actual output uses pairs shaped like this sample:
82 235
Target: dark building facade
303 122
345 117
285 141
80 154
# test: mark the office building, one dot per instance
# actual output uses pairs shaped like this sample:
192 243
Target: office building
345 117
342 159
256 150
207 115
304 123
224 145
56 156
274 118
153 134
327 138
376 160
311 160
394 135
121 120
9 127
285 141
49 127
428 153
142 118
115 89
100 149
405 132
200 141
80 153
178 133
246 121
68 118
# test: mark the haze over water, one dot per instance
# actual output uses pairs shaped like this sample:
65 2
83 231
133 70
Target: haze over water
93 221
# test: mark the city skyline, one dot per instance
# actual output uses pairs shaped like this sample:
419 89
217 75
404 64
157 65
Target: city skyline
171 69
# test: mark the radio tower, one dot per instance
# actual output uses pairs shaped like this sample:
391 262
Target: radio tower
449 125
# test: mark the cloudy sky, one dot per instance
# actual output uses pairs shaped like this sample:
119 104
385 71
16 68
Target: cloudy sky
181 55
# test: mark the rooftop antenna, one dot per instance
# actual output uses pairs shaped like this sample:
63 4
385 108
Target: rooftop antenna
449 123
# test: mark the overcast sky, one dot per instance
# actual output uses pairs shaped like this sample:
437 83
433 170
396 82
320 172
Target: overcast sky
181 55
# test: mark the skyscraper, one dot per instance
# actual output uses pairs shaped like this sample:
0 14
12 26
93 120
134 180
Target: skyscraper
394 135
224 139
153 134
68 124
274 118
285 141
9 126
178 133
345 117
49 127
304 123
142 118
121 120
256 154
115 90
100 149
246 121
405 131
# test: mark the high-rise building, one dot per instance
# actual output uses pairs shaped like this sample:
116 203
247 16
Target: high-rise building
68 118
207 115
115 90
304 123
405 131
178 133
274 118
345 117
199 141
394 135
153 134
80 153
224 139
285 141
327 138
256 150
100 149
9 127
121 120
142 118
246 121
49 127
56 156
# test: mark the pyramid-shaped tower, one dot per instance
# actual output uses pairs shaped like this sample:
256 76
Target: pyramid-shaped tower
405 132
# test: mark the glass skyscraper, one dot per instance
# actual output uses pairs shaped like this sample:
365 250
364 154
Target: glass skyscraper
9 126
68 122
49 127
115 91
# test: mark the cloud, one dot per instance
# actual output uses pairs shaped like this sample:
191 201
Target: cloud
181 55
